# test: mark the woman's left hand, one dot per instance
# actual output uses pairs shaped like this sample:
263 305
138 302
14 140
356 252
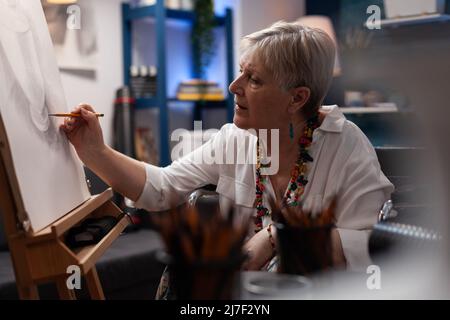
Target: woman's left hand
259 250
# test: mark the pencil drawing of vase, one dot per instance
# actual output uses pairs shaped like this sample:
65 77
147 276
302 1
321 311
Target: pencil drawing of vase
24 61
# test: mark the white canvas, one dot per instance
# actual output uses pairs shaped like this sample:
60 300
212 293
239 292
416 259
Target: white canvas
50 176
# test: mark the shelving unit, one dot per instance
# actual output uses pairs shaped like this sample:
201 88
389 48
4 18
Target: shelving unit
160 13
383 60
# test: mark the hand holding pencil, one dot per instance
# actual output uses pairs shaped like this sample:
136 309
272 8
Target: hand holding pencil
82 128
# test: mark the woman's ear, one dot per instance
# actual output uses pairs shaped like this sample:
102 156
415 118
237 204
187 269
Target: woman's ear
300 97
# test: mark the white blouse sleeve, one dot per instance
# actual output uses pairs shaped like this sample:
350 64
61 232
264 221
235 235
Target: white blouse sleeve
362 190
167 187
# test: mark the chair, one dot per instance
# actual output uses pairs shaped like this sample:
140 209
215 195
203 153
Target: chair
206 199
404 222
401 232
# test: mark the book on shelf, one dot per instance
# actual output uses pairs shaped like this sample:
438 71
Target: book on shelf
197 89
143 81
200 96
200 90
198 82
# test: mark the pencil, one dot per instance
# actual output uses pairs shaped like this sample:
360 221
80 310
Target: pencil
72 114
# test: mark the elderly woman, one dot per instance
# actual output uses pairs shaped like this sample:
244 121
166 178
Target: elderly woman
285 72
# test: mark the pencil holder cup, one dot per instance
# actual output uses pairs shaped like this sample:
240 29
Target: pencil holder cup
202 280
304 251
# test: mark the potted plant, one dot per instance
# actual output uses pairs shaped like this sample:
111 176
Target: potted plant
203 36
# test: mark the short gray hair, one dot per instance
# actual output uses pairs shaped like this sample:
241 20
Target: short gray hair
297 56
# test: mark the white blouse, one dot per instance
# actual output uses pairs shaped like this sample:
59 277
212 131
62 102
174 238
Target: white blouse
345 164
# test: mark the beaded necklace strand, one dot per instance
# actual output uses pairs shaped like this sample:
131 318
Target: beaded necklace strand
297 183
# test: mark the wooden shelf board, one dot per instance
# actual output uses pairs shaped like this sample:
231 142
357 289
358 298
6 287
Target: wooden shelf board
76 215
365 110
414 20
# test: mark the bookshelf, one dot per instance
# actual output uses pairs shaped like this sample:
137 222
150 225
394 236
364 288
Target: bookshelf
160 13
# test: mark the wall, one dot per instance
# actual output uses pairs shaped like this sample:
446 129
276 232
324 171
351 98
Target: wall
99 89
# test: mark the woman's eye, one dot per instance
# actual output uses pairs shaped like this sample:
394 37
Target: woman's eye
253 80
250 78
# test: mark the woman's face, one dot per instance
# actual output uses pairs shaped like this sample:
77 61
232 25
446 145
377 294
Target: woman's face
260 103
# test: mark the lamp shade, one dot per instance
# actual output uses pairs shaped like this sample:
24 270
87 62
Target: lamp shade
324 23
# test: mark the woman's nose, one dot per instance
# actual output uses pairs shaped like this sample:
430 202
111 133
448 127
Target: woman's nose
235 88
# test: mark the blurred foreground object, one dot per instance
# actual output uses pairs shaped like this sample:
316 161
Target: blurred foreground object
397 232
204 254
304 240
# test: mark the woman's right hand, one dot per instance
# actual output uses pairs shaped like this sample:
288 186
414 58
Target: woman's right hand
84 132
124 174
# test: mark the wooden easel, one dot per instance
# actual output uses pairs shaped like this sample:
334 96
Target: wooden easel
43 256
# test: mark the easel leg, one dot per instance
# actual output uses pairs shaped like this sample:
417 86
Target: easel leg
64 292
94 286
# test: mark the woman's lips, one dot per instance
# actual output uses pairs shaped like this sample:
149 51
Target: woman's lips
239 107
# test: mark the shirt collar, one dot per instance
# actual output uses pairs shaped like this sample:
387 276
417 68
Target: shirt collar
334 119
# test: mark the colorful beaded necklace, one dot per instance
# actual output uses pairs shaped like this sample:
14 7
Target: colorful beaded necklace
297 183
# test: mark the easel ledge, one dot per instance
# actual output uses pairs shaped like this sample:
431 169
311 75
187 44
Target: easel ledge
43 246
43 256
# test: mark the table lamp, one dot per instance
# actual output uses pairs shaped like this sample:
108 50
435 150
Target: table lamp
324 23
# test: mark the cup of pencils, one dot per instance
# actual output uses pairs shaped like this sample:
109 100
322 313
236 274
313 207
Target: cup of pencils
203 256
304 240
